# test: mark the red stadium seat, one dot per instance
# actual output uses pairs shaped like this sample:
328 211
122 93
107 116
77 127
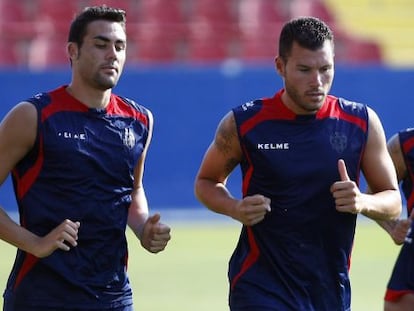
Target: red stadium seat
258 45
315 8
130 6
153 43
261 12
159 32
47 51
352 50
212 30
212 42
370 51
13 11
161 11
9 53
363 52
121 4
260 23
213 11
61 12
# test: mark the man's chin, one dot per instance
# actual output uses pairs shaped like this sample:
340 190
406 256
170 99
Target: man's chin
108 84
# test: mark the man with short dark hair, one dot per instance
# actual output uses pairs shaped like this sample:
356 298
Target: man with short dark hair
301 154
77 157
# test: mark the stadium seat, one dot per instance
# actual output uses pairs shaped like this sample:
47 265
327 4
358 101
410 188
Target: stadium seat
159 32
212 30
46 51
151 42
122 4
257 51
161 11
353 50
315 8
130 6
257 12
259 46
212 42
260 23
364 52
60 11
13 11
9 53
213 11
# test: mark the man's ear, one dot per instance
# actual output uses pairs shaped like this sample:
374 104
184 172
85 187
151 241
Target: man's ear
280 65
72 50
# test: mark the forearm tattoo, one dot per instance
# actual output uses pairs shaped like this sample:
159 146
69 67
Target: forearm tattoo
226 138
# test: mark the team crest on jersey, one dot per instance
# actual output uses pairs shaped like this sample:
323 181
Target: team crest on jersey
338 142
129 138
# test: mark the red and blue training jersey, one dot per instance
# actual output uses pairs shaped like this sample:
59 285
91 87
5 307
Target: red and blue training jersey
298 257
406 138
401 281
80 168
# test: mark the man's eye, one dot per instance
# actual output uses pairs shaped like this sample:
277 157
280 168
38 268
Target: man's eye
100 46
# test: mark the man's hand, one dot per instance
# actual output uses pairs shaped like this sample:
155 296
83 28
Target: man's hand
252 209
63 237
401 229
155 235
345 192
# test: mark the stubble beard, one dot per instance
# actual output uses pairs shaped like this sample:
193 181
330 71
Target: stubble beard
299 101
104 83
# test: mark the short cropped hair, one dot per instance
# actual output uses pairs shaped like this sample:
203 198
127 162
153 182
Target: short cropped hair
89 14
308 32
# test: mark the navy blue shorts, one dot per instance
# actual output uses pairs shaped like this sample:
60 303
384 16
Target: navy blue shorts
402 276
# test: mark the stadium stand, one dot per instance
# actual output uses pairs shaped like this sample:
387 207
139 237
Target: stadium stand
315 8
47 50
60 12
208 42
212 11
162 31
388 23
254 16
9 54
156 32
212 30
154 42
14 11
130 6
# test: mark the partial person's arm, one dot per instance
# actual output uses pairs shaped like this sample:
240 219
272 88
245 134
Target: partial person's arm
220 159
17 135
153 234
398 228
384 201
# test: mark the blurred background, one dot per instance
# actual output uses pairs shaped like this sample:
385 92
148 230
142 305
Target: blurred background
171 31
191 61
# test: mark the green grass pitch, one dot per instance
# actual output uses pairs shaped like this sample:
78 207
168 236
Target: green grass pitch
191 273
